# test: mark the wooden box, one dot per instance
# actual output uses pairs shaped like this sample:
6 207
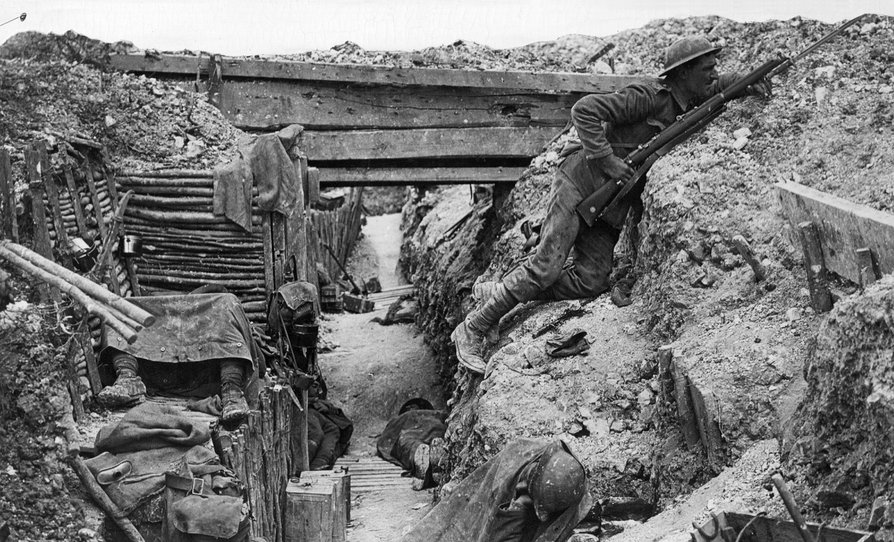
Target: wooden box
315 511
343 479
356 304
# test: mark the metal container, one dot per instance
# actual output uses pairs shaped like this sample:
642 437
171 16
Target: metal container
131 246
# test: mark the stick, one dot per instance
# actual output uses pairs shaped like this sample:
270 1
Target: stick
7 196
90 305
171 173
102 262
792 507
745 251
102 499
88 287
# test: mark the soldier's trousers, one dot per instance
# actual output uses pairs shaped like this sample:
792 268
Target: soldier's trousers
545 275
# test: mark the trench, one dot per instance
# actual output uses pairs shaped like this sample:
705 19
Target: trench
371 371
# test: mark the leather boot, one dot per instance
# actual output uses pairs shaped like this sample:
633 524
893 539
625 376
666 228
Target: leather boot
234 408
469 335
128 388
484 290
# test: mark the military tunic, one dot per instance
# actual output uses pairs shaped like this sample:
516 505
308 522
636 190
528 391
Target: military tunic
606 123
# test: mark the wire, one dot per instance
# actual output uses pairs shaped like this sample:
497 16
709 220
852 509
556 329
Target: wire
20 17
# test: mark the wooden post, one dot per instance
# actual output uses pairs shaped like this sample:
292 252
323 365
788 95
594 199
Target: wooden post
132 276
74 387
94 197
814 264
75 201
868 268
267 234
86 343
62 245
9 225
215 81
313 183
39 219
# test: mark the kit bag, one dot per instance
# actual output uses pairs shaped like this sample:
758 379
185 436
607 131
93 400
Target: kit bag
205 503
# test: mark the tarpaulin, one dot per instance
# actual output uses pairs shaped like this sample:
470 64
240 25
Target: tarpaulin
276 177
472 512
188 328
232 192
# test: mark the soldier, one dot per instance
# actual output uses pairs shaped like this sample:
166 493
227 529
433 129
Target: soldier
532 491
609 126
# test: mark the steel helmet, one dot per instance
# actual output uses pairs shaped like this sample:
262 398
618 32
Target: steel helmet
557 482
685 49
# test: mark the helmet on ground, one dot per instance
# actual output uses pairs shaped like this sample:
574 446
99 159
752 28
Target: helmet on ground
416 403
557 482
685 49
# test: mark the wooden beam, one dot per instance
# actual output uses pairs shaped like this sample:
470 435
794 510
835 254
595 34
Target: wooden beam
338 177
262 104
75 201
429 143
375 75
10 227
843 226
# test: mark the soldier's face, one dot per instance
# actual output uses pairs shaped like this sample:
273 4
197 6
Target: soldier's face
702 73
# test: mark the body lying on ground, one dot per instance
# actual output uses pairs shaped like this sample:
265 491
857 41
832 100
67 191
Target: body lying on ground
413 439
532 491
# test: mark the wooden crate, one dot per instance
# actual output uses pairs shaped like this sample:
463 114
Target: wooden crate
343 480
315 511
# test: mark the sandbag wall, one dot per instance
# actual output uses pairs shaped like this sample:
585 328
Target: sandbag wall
337 228
185 246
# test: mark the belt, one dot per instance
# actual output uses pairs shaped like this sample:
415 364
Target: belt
192 486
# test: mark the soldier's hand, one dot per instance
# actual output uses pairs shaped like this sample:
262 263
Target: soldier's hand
762 88
615 168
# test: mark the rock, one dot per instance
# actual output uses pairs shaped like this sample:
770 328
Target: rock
645 398
793 314
835 499
820 94
825 71
742 132
740 143
618 426
877 515
110 121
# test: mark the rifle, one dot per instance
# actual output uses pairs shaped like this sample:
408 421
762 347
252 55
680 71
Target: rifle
607 203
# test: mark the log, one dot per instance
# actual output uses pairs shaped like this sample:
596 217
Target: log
10 227
86 286
102 499
815 267
171 173
175 191
39 219
187 217
164 182
90 304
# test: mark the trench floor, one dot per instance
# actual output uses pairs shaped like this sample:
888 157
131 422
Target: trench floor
371 371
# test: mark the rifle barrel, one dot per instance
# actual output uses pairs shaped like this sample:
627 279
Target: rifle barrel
822 41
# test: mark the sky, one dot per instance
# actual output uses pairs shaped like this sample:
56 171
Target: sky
246 27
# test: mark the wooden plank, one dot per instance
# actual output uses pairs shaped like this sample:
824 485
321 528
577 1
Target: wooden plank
277 222
296 234
375 75
764 528
90 357
428 143
74 388
397 176
9 226
75 200
844 227
815 267
264 104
